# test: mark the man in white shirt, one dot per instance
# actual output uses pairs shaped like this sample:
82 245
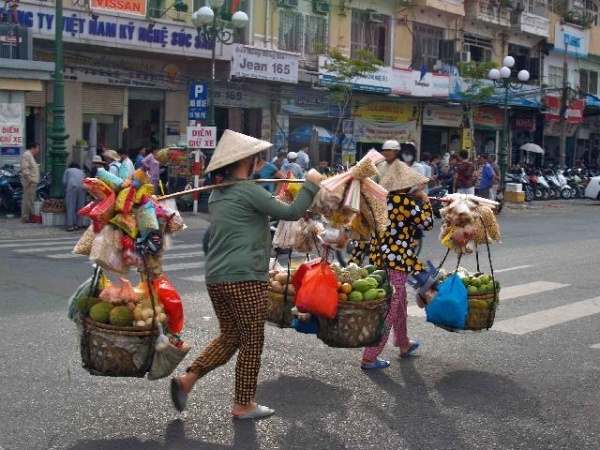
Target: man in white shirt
303 159
292 166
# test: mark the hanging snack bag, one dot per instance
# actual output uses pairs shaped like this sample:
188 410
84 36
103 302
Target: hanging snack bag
112 181
146 219
96 188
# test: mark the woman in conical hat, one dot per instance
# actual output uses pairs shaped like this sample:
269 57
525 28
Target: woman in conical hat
237 269
408 210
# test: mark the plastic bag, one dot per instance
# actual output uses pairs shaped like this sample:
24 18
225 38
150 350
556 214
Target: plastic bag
166 357
450 306
285 234
318 292
146 219
302 271
171 301
107 250
84 245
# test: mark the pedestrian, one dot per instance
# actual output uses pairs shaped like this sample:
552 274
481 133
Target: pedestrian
292 166
97 163
497 174
237 270
142 152
152 167
487 176
266 170
74 195
465 175
280 159
394 249
303 159
127 168
114 161
30 177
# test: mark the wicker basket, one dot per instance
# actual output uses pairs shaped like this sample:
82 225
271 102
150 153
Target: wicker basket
355 325
275 309
112 351
482 310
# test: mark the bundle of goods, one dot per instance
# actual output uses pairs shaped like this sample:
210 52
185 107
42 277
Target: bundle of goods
353 200
350 303
126 330
468 221
281 297
461 300
54 205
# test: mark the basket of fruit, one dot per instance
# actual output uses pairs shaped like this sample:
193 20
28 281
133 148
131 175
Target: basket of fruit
54 205
280 298
109 345
483 297
363 295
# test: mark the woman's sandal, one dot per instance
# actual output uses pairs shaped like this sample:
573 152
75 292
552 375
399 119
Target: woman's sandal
259 412
413 346
379 364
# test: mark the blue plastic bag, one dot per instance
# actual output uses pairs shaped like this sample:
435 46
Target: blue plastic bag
450 306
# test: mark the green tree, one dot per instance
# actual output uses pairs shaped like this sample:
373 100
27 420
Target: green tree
345 72
475 89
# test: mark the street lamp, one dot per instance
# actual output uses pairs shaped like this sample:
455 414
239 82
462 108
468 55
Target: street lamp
211 22
501 78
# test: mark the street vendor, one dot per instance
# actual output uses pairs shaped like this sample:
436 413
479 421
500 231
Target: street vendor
237 269
408 210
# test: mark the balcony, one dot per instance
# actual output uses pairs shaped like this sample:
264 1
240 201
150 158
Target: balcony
533 22
455 7
492 12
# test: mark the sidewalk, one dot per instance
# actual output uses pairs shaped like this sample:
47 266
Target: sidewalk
14 228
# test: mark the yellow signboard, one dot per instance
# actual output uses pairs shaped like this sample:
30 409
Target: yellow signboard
386 111
466 140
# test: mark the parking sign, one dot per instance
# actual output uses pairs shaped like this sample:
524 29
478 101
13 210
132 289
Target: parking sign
198 101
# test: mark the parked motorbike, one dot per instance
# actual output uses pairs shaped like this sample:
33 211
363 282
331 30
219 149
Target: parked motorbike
522 178
560 186
11 191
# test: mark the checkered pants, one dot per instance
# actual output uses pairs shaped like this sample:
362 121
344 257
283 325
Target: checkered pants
241 308
395 319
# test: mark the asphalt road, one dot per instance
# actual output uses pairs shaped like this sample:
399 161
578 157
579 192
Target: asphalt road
532 382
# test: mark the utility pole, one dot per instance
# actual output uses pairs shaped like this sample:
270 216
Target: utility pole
563 111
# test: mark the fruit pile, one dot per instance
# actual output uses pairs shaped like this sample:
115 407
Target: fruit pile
361 284
54 205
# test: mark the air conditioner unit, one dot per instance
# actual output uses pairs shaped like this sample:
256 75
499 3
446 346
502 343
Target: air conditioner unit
465 56
375 18
320 7
288 3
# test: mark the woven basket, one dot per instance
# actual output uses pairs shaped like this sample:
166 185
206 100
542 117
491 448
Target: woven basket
355 325
482 311
112 351
275 306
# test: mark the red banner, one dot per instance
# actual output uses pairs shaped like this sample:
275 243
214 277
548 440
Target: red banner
574 110
524 123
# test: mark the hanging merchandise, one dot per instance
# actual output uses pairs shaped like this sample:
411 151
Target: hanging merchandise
127 330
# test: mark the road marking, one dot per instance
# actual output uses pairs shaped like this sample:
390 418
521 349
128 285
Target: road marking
508 293
195 279
595 346
64 256
534 287
508 269
183 255
41 250
45 243
549 317
183 266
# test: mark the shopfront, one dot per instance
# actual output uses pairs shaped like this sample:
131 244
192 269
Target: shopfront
442 128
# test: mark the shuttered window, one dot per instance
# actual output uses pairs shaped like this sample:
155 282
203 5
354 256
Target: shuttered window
107 100
37 98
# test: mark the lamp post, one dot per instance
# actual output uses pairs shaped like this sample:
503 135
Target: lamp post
58 152
502 79
211 22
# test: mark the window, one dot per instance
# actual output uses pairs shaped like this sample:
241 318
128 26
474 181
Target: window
555 76
290 31
588 81
479 48
302 34
426 46
370 32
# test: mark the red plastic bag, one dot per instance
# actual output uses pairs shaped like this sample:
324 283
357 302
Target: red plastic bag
171 301
318 292
302 270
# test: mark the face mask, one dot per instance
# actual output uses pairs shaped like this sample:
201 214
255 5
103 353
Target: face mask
406 157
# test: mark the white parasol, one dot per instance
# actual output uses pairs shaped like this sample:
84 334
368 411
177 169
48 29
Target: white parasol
533 148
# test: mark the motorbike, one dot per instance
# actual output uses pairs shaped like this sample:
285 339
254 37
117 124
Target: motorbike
560 186
11 191
522 178
435 194
541 188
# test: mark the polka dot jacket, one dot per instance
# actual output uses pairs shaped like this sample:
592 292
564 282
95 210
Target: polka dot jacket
395 248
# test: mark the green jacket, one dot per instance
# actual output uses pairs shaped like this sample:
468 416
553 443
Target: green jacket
240 240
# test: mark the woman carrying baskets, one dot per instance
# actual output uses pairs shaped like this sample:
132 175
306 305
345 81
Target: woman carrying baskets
237 269
408 210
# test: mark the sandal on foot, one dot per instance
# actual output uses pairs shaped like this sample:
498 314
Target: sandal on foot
379 364
178 395
413 346
257 413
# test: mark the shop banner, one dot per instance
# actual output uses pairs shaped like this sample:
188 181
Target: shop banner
553 129
573 38
136 7
309 102
264 64
386 111
487 117
11 125
371 131
389 80
524 123
574 110
440 116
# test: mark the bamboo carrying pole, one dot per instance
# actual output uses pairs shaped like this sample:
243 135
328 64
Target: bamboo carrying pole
210 187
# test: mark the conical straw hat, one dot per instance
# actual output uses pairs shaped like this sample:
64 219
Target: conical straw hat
399 176
234 146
